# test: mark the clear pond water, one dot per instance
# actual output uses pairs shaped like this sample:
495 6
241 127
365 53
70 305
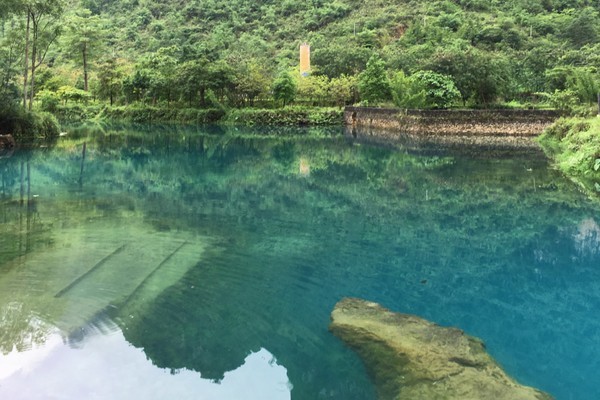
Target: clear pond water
204 263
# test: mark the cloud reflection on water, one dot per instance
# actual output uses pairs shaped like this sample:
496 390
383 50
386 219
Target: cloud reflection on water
108 367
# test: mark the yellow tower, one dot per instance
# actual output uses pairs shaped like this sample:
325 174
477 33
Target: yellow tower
304 59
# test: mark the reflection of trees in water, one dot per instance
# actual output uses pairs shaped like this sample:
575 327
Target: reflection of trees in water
587 238
237 187
21 328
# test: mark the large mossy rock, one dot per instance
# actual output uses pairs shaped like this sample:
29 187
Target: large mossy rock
411 358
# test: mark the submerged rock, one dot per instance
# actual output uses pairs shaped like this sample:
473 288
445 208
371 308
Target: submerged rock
411 358
6 142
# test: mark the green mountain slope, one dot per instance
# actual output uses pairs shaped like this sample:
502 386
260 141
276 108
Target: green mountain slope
230 52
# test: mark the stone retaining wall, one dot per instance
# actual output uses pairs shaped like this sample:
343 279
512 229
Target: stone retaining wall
463 123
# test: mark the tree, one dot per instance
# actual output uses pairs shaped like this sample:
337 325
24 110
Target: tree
343 90
312 89
85 35
408 92
584 83
194 79
10 56
373 83
334 56
222 76
8 7
478 76
284 88
583 28
110 77
440 91
136 86
251 81
42 19
161 67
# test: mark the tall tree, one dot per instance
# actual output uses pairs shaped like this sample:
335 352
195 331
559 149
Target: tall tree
110 77
373 83
43 20
8 7
11 54
251 81
162 67
26 59
84 37
284 88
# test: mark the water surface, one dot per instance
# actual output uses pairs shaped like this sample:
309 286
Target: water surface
204 263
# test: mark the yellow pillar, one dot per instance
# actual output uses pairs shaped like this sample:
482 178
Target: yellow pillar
304 59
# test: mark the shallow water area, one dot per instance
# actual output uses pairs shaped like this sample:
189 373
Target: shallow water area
204 262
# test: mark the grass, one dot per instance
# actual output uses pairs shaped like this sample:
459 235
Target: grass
574 144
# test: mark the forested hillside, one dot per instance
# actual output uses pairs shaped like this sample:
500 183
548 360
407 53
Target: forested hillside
242 53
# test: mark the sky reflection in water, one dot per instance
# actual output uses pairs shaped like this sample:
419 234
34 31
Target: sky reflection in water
195 251
106 366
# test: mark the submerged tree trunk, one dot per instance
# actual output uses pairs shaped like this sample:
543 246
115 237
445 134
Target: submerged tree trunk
26 68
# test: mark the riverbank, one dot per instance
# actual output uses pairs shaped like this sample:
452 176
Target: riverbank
288 116
465 123
493 133
27 126
574 145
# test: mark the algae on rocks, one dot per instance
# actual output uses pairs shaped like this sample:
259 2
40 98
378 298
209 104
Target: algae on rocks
411 358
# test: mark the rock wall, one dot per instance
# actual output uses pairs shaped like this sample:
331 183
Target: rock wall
441 123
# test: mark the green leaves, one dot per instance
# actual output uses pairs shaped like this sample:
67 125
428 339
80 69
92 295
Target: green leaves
284 88
440 91
408 92
373 83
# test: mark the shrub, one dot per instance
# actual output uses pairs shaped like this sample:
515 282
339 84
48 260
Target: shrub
27 126
286 116
440 90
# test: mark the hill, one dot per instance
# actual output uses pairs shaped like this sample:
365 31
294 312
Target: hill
207 53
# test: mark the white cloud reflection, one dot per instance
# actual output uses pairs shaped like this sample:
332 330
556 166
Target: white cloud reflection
108 367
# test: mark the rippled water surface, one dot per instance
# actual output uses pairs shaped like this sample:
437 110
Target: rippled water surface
204 263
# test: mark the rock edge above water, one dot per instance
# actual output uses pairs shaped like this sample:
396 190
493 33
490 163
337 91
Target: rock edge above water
411 358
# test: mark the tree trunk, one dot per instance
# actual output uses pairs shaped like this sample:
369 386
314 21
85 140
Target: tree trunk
85 68
26 69
202 97
32 89
33 59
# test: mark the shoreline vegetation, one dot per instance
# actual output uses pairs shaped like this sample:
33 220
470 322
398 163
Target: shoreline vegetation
142 113
574 145
572 142
238 63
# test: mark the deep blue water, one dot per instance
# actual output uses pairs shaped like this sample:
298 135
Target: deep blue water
236 241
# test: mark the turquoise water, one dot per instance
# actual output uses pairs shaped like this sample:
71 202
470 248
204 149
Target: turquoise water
204 263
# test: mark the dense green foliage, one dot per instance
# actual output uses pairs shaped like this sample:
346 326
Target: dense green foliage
208 54
575 145
27 126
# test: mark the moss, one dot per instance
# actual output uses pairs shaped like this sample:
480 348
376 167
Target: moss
411 358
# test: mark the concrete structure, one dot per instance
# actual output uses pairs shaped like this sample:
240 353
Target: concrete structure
304 59
487 128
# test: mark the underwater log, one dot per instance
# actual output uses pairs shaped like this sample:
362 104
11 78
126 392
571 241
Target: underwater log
409 357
